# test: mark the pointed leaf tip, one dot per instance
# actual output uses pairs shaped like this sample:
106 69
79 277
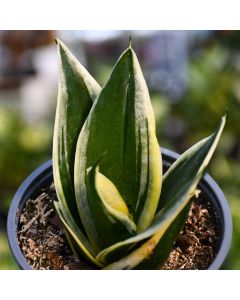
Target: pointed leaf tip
56 40
130 42
59 42
225 116
221 125
61 45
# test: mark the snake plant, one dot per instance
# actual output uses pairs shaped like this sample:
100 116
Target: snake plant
118 209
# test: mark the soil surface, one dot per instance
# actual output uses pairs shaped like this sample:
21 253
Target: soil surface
45 246
196 245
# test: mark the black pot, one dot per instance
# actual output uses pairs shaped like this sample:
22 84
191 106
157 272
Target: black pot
43 176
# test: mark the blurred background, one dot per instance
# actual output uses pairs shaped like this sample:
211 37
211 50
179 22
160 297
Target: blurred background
193 77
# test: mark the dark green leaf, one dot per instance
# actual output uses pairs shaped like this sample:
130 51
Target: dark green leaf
175 198
76 93
121 125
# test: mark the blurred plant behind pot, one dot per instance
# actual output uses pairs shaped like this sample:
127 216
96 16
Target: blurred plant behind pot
6 260
23 146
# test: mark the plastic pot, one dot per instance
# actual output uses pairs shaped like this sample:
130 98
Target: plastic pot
43 177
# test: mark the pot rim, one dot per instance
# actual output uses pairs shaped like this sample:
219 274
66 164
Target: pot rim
207 180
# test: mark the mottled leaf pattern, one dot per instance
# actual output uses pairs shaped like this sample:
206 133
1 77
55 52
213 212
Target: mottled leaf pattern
76 92
121 129
117 209
175 197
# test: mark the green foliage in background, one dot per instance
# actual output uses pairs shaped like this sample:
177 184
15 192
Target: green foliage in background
23 147
7 261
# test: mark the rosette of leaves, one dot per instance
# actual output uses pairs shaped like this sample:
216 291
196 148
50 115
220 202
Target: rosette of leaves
118 209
